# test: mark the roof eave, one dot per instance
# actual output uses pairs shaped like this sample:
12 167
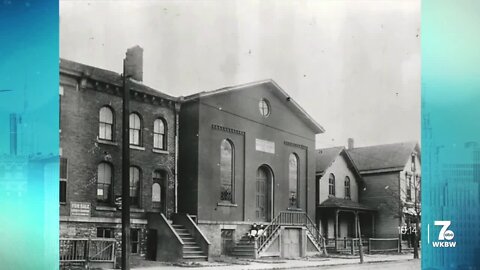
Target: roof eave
316 127
384 170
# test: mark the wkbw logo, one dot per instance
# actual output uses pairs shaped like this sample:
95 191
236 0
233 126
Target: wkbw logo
445 236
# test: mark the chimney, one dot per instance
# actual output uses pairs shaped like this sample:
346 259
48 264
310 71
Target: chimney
13 134
134 63
351 143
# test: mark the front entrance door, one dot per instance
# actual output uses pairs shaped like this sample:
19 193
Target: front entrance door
262 196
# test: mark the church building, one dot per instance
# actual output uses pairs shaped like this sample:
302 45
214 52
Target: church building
246 155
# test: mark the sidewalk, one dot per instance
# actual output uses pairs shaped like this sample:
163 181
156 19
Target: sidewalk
244 264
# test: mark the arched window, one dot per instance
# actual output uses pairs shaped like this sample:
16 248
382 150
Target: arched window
331 185
156 195
158 188
159 132
293 180
104 182
135 129
347 187
134 185
105 126
226 171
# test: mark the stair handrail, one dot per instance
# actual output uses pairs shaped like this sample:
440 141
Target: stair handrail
270 231
172 230
193 229
283 218
318 237
289 218
313 229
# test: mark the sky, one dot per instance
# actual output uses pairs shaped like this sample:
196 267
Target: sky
354 66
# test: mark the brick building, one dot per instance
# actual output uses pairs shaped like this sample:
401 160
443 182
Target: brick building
247 155
90 149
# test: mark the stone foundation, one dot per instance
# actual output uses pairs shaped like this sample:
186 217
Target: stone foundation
89 230
213 232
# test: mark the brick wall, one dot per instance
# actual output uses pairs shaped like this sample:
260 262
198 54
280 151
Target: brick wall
79 144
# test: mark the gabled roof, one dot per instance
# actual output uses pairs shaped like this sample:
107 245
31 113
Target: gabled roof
386 157
338 203
107 76
326 156
299 111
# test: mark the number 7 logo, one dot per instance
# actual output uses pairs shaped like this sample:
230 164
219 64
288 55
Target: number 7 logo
443 231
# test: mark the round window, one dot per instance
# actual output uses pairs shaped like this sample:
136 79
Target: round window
264 107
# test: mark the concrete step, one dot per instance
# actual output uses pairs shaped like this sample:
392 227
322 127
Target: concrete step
245 246
245 255
188 239
191 247
192 252
194 258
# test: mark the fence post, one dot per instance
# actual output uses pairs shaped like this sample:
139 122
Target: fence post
352 248
87 253
369 246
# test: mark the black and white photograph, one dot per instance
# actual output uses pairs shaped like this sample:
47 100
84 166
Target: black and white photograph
240 134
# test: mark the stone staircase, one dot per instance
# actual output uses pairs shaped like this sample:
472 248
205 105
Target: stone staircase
244 248
191 250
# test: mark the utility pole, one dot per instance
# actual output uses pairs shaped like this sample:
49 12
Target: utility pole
360 244
125 173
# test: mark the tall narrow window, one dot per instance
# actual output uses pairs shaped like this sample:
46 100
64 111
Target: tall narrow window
347 187
134 240
135 129
409 187
104 182
413 163
105 127
226 170
159 132
331 185
63 180
159 180
293 180
134 185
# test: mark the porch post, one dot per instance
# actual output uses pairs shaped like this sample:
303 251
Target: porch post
335 229
373 225
356 221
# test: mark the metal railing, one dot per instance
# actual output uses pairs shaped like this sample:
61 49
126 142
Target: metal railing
286 218
86 250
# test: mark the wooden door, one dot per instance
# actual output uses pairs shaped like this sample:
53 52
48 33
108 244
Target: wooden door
151 245
262 195
291 243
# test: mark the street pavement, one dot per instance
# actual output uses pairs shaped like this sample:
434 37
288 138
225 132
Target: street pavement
398 265
377 261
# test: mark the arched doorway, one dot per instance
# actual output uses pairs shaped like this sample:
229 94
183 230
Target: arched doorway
263 193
